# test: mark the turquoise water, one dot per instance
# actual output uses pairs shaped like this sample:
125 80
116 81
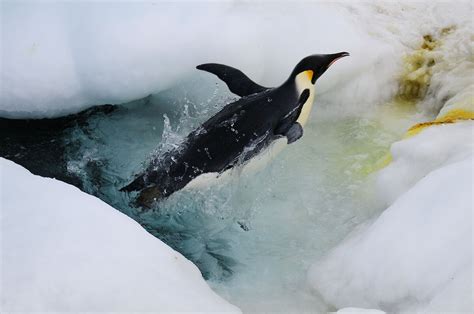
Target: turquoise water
254 237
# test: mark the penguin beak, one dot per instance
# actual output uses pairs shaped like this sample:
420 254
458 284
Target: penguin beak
323 62
337 56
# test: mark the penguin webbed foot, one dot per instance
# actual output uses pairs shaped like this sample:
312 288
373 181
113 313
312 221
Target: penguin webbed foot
148 197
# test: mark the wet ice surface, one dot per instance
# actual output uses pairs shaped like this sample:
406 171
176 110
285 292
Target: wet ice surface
255 237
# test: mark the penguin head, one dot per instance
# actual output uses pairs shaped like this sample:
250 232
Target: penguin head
315 65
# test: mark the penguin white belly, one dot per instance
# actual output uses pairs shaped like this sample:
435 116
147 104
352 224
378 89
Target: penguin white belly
257 163
306 110
252 166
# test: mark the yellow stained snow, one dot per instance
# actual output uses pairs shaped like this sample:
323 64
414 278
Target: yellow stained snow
413 85
450 117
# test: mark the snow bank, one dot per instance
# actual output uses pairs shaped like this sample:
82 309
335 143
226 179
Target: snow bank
59 58
452 85
64 250
417 256
415 157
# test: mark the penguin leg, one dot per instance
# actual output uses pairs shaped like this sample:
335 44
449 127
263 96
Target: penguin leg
294 132
148 196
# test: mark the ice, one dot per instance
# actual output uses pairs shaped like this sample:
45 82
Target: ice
415 256
451 84
256 237
417 156
59 58
64 250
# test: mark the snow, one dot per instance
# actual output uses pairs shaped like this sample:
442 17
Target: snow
64 250
404 23
418 254
452 85
415 157
59 58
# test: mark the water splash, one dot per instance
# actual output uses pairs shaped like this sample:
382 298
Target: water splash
250 228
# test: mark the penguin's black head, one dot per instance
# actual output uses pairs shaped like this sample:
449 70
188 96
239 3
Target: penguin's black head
316 65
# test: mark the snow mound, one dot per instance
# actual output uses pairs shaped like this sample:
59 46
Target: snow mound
64 250
415 157
417 256
60 58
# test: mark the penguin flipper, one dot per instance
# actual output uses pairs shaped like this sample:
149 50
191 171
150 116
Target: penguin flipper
294 133
238 83
289 127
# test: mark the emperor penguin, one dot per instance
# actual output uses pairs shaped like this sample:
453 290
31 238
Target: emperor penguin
239 132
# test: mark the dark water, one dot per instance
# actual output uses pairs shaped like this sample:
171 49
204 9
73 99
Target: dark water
99 150
40 144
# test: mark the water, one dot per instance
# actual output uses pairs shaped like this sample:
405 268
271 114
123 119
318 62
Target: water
254 237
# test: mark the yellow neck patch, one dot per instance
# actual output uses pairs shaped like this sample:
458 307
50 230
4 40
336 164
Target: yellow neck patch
309 73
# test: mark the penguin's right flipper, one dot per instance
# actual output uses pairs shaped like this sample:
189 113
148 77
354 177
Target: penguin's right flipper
294 133
236 80
288 126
